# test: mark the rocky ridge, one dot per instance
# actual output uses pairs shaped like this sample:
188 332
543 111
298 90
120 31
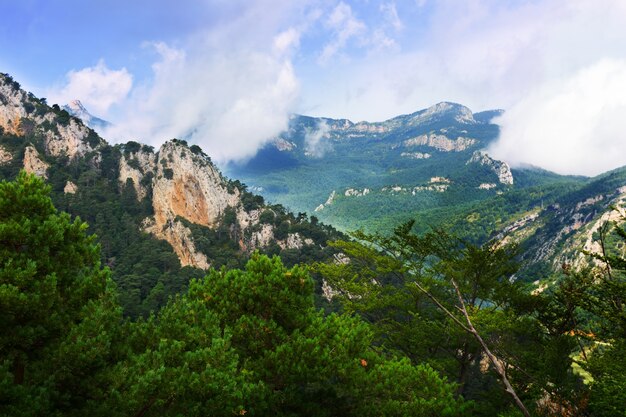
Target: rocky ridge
180 182
76 109
440 142
500 168
22 114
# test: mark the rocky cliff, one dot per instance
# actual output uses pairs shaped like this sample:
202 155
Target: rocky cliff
500 168
22 114
440 142
188 186
187 201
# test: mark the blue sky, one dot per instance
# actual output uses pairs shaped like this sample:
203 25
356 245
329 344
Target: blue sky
228 73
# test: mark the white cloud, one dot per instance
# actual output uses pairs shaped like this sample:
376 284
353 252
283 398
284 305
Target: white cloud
231 87
228 97
570 126
345 26
98 87
316 140
287 40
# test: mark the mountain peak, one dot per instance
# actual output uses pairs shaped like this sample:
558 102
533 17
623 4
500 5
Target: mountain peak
77 109
459 112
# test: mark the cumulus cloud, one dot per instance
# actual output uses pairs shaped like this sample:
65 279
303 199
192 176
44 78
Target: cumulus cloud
98 87
228 102
228 89
570 126
316 140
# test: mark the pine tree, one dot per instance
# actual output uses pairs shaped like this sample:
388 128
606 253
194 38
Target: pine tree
57 308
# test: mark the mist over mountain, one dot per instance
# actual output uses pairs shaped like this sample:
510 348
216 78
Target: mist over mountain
163 215
76 109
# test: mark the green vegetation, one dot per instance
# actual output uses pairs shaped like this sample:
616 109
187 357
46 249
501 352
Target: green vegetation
416 311
239 342
425 319
145 269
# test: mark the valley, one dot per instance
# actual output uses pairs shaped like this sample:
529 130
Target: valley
342 255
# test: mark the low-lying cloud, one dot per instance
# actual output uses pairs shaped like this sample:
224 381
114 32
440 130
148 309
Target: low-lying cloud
228 88
570 126
316 140
228 102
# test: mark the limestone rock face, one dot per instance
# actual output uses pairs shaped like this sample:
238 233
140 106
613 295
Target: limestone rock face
70 140
33 163
260 238
502 169
176 234
70 188
441 142
294 241
5 156
135 166
189 186
12 110
284 145
20 114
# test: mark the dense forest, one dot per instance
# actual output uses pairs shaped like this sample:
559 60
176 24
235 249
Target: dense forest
422 324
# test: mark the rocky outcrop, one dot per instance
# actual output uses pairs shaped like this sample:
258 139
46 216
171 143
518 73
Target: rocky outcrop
346 129
5 156
440 180
21 113
328 202
440 142
70 188
33 163
260 238
352 192
12 110
136 166
415 155
189 186
69 139
436 184
179 236
500 168
283 145
76 109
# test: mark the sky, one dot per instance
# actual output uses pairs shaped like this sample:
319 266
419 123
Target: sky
227 74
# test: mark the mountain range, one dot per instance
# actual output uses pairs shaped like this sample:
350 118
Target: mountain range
431 166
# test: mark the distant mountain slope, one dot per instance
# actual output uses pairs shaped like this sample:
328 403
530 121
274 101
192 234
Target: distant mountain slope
76 109
369 175
162 216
